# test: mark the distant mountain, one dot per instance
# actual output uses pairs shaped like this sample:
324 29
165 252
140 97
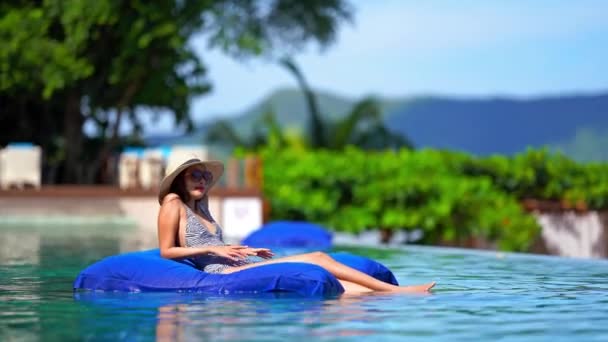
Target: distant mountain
576 124
290 107
505 126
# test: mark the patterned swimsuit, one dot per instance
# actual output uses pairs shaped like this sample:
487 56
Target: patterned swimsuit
198 235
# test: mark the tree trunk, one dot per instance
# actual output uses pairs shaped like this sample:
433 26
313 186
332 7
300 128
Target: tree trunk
317 130
110 144
386 235
72 133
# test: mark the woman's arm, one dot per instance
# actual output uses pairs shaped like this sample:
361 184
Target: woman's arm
168 227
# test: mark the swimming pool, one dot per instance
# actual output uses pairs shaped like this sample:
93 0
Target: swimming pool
479 296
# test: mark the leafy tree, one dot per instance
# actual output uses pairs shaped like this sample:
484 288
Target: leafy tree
64 63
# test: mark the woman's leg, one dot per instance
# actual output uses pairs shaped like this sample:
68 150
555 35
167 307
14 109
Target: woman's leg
340 271
352 288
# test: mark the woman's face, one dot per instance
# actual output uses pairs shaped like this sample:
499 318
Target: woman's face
197 180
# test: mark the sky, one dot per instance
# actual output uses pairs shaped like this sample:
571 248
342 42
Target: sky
463 48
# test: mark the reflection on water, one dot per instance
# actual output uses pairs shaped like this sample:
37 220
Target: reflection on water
186 317
19 248
480 295
28 243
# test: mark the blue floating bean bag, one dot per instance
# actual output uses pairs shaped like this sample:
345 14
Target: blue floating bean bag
147 271
290 234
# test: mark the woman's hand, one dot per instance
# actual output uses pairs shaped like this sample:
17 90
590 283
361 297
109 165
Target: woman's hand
264 253
231 252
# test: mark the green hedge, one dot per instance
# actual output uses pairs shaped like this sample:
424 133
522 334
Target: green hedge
452 197
539 174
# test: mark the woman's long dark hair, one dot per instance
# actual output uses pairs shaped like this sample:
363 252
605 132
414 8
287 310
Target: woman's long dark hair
178 187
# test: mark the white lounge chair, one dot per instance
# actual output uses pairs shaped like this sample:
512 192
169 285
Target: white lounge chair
128 168
20 166
151 168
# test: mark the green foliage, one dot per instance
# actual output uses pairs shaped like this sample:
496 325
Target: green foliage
33 58
452 197
273 28
588 187
542 175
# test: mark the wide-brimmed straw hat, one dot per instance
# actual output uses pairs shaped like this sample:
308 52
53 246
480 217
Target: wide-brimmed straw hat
214 166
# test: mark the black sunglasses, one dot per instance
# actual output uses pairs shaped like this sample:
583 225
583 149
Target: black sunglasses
198 175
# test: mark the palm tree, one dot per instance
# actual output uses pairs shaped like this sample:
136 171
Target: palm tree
265 130
316 127
362 127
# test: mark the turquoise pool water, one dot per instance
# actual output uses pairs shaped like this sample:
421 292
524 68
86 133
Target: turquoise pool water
479 296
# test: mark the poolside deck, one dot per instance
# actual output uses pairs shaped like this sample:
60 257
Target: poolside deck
239 211
88 191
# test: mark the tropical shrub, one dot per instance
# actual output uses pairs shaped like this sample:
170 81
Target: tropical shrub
452 197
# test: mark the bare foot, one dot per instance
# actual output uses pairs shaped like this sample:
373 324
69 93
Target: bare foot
416 288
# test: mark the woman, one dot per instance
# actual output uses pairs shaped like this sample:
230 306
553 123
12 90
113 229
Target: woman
186 229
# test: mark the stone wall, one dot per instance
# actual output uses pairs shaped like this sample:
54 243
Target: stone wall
574 234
